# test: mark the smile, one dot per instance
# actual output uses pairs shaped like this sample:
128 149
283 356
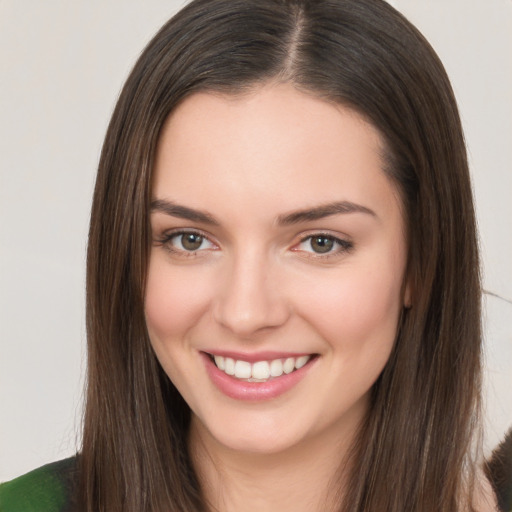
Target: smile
259 371
257 377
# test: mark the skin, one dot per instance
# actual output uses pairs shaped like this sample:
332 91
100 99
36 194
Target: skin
256 284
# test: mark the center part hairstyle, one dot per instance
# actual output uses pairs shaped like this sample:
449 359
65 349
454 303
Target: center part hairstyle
413 452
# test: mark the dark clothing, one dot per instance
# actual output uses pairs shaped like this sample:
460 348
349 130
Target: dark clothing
499 472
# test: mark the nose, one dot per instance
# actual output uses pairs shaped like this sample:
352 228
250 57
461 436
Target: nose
251 297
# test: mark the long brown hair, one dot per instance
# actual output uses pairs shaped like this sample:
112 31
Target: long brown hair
414 450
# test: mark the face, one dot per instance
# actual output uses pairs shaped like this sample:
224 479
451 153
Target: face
276 276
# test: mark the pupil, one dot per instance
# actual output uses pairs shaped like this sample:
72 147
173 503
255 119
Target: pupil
322 244
191 242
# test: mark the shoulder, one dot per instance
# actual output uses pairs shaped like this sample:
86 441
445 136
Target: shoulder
484 499
46 489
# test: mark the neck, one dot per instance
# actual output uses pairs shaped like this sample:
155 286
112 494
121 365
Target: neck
309 477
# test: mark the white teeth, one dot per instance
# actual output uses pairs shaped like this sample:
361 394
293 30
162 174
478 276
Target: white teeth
301 361
219 361
229 366
276 368
289 365
242 370
260 371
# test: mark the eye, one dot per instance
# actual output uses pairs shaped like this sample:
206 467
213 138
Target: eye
187 242
322 244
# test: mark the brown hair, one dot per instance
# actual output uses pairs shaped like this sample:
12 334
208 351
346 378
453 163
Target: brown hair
413 452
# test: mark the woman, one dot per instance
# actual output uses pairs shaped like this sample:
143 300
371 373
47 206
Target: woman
283 284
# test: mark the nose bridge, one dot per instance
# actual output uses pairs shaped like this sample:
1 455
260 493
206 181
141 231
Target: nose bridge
249 299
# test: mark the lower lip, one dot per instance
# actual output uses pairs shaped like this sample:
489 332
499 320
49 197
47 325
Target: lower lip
254 391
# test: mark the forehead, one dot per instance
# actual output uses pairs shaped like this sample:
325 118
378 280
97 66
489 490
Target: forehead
274 141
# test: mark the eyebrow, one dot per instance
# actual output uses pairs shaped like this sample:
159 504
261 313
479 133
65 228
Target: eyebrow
323 211
306 215
182 212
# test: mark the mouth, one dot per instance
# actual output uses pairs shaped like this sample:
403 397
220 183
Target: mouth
260 371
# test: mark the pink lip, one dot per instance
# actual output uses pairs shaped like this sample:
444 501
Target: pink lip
254 391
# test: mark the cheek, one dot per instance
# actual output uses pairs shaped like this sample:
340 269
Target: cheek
175 300
357 310
358 322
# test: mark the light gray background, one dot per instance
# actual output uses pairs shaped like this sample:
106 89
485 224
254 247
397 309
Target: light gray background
62 64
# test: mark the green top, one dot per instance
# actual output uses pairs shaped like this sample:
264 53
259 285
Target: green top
46 489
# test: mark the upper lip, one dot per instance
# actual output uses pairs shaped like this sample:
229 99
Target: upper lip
252 357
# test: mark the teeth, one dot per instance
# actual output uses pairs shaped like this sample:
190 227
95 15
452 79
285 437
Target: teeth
289 365
301 361
242 370
276 368
219 361
260 371
229 366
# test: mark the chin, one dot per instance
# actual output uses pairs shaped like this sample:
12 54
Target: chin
250 437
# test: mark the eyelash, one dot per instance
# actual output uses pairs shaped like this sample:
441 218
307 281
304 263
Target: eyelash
343 246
